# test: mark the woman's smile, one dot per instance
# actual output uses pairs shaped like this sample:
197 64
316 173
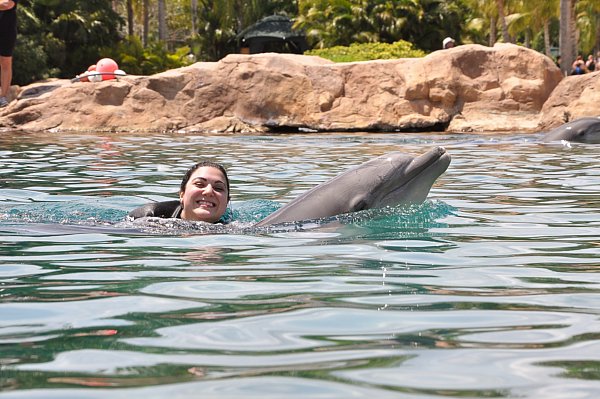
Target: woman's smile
206 203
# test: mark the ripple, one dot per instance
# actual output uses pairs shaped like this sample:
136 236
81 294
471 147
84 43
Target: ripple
295 330
18 270
489 288
248 388
19 322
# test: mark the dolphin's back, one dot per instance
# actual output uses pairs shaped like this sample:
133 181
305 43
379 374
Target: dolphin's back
582 130
333 197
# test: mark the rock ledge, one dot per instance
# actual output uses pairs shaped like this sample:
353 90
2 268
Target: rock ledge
469 88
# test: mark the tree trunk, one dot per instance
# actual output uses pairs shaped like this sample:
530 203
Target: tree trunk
162 21
194 17
567 43
146 18
130 28
239 10
547 38
574 30
505 35
493 32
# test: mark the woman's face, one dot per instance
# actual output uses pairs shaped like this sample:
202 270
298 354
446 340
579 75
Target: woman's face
205 197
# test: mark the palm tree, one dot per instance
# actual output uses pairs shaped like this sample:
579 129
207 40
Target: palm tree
532 17
588 23
544 11
327 23
194 10
162 21
567 38
521 22
146 22
429 21
137 12
343 22
502 20
484 11
130 26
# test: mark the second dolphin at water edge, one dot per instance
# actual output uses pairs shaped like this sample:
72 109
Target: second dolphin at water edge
582 130
391 179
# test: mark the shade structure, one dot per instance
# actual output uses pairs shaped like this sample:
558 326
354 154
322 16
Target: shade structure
272 34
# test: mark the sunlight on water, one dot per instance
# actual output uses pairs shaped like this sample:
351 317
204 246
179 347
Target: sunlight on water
491 288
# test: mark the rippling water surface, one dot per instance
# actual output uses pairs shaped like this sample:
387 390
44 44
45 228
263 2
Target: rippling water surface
490 289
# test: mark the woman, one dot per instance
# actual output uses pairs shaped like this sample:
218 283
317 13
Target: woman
8 38
203 196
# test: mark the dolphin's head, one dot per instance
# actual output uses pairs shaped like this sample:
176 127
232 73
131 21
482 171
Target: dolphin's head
583 130
398 178
587 131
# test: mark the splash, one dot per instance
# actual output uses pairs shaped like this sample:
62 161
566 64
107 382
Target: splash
374 223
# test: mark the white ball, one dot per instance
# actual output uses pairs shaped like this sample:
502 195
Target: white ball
95 77
119 72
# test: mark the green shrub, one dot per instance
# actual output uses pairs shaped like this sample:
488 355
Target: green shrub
368 51
134 59
30 62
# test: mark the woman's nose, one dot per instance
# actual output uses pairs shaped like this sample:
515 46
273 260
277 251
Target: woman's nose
208 189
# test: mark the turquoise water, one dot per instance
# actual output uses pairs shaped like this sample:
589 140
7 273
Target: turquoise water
490 289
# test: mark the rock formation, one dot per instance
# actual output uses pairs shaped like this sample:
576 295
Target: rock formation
574 97
467 88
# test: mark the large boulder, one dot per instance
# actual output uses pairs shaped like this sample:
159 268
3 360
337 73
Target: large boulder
574 97
467 88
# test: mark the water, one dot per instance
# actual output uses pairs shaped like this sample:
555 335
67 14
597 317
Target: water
489 289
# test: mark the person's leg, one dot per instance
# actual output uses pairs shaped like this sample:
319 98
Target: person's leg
5 75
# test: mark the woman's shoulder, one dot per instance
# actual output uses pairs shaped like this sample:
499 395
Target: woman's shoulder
163 209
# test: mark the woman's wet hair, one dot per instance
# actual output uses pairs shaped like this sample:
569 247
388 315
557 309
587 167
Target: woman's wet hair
211 164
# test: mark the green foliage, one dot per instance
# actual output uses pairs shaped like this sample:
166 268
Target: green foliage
30 62
216 34
368 51
343 22
219 22
588 22
134 59
61 38
30 59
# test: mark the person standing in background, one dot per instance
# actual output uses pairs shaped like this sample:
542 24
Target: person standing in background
590 64
8 38
578 67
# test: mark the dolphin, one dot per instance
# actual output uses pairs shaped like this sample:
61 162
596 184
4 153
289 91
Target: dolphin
582 130
391 179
